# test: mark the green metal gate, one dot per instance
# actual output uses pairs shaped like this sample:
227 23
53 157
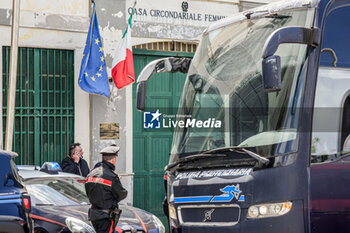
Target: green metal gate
151 149
44 113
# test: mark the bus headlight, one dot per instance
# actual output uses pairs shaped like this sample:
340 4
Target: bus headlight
269 210
172 212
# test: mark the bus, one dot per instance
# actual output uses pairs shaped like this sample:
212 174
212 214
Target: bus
277 79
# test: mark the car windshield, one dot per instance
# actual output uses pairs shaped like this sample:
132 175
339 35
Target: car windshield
224 88
57 191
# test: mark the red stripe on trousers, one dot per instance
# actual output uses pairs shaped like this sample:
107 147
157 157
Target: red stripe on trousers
111 229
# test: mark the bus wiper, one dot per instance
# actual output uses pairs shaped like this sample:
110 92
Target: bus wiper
249 13
256 156
277 16
192 158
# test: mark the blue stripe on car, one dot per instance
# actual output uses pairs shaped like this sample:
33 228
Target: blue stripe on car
11 201
2 197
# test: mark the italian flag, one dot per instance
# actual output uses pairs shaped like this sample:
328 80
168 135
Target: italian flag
123 64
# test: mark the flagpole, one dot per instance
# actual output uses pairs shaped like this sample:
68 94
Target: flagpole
11 101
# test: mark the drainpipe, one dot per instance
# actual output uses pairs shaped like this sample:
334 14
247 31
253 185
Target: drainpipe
11 99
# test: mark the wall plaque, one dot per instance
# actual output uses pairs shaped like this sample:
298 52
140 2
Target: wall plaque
109 131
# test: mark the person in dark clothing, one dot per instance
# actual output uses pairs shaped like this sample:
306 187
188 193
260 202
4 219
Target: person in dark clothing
74 162
98 164
105 191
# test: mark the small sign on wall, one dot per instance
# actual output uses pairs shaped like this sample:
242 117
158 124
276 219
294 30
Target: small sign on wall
109 131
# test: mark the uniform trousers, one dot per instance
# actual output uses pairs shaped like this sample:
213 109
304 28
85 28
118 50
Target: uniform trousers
103 225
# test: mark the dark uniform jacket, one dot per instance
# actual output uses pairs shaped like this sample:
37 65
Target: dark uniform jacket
104 190
81 168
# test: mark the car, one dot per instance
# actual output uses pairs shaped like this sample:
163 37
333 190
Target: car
60 204
15 204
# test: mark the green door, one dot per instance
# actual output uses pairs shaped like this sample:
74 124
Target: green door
152 148
44 113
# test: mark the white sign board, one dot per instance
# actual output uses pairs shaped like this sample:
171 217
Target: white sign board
182 15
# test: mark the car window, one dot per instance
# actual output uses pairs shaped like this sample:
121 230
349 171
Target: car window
57 191
15 171
8 173
4 169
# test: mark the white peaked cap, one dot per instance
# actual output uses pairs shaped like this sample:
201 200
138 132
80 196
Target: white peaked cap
110 150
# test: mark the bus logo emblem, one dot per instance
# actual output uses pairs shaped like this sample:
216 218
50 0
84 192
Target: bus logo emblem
207 215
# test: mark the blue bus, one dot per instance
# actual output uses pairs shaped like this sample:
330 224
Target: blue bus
277 79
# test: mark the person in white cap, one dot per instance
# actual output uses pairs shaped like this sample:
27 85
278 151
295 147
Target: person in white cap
105 191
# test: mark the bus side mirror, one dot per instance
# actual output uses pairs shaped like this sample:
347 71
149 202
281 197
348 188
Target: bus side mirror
271 64
271 70
141 93
169 64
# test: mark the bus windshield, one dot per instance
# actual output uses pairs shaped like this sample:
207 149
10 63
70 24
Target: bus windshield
224 86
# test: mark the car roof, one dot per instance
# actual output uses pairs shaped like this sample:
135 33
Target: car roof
32 171
9 154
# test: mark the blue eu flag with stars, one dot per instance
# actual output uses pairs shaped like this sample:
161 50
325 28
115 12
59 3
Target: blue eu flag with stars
93 76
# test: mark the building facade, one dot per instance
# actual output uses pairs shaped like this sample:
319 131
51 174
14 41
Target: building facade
52 111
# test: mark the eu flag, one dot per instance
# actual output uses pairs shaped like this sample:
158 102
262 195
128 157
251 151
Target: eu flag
93 75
